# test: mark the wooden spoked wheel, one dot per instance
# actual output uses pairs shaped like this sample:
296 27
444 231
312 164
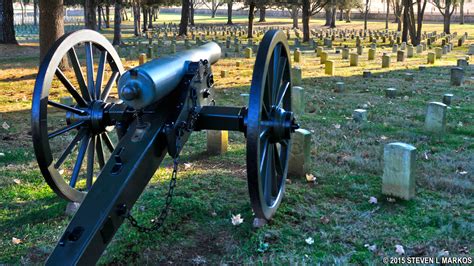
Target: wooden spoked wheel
269 126
72 134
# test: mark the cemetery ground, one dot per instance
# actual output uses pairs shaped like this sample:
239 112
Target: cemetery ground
334 210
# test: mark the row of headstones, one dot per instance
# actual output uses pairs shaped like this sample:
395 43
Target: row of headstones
399 158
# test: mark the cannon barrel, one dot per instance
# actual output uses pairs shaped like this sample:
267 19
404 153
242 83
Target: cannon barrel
150 82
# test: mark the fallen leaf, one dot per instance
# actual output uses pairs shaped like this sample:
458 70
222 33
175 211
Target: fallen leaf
309 240
391 200
383 137
17 181
187 165
324 220
443 253
373 200
5 126
463 173
337 126
236 219
372 248
399 250
426 155
310 178
16 241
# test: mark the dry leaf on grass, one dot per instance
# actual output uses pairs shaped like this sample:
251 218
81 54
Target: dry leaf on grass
309 240
399 250
373 200
372 248
17 181
236 219
16 241
324 220
5 126
310 178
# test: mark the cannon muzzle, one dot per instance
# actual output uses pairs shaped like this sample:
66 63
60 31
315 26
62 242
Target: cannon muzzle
150 82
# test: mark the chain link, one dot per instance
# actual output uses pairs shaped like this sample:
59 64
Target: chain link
156 224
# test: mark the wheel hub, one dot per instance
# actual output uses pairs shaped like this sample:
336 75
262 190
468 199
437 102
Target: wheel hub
281 124
94 117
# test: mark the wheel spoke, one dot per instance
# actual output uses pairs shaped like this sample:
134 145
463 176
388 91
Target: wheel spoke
108 86
78 72
67 108
277 62
279 75
282 92
269 176
69 148
100 74
80 101
80 158
100 152
65 129
90 163
278 164
264 143
90 68
108 142
269 83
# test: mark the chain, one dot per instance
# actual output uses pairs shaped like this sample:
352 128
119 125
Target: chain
156 224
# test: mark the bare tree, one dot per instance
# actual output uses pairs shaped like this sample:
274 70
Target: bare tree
366 13
397 12
310 8
446 8
213 5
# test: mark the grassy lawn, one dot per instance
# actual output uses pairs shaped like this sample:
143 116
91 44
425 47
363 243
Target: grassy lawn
346 158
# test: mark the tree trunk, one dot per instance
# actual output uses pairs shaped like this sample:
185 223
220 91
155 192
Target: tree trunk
117 23
51 28
145 18
150 18
399 25
341 14
251 17
366 13
157 13
294 16
328 16
136 19
191 14
22 6
99 18
447 23
183 25
107 16
262 14
387 14
90 19
306 17
333 17
348 15
35 12
406 4
7 29
461 12
229 12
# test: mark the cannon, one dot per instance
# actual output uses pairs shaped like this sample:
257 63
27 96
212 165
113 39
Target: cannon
102 148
